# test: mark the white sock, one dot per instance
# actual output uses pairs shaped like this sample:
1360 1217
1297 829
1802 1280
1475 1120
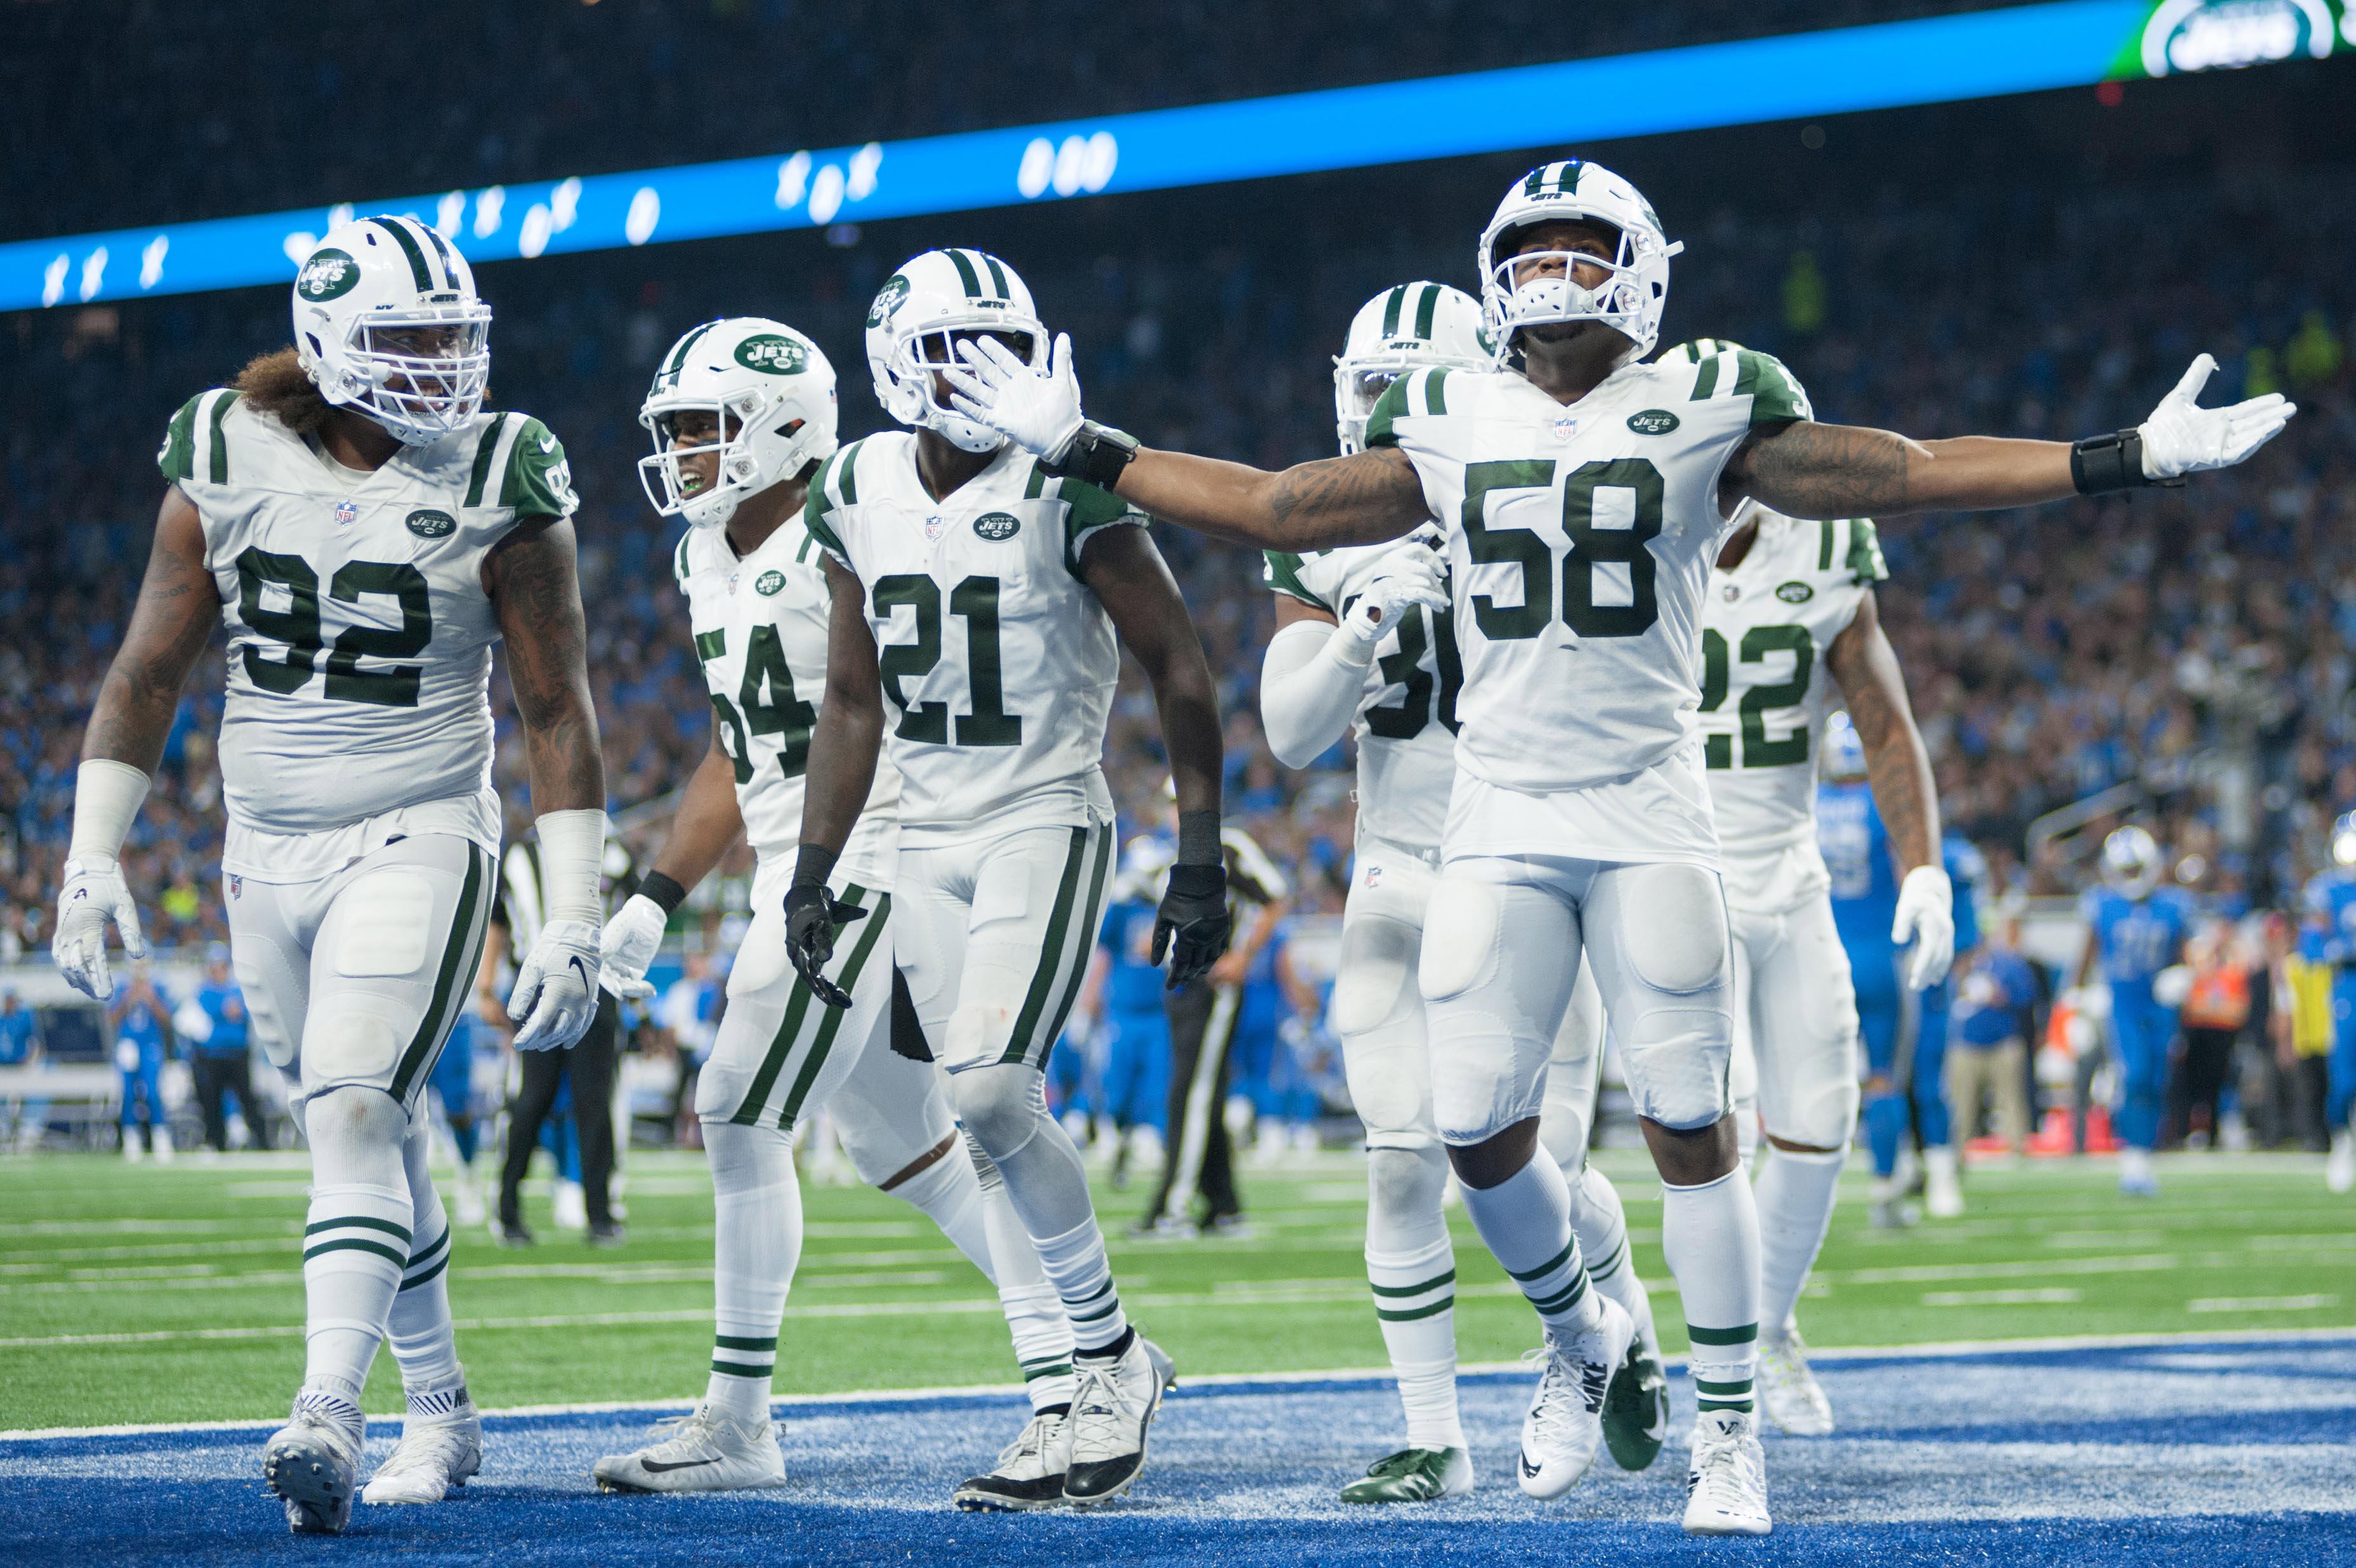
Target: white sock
1710 1233
756 1209
1411 1267
1795 1196
1004 1107
1082 1274
418 1329
355 1235
1035 1312
1525 1220
948 1193
1601 1224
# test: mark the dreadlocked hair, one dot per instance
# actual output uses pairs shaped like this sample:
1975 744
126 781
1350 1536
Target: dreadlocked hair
277 384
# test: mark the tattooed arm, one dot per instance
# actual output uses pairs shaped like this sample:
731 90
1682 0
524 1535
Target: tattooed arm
1811 470
849 733
1866 666
177 609
536 592
1363 498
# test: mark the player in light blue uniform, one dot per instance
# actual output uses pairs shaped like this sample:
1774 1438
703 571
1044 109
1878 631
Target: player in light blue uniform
2331 904
1135 1086
1865 904
142 1027
1967 874
2136 930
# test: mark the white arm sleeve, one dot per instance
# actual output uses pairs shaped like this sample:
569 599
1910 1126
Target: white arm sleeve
107 798
1310 685
571 857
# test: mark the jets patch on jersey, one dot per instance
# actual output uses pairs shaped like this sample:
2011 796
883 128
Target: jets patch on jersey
1767 627
760 625
1405 725
998 664
1581 538
359 633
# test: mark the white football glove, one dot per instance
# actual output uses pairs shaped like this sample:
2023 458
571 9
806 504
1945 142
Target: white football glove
628 946
555 995
1411 573
1038 411
93 893
1927 917
2182 437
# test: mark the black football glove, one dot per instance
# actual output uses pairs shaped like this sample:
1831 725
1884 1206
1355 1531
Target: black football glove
812 917
1193 925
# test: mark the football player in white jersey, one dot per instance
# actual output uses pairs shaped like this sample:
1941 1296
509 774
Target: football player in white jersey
1585 492
993 588
1366 645
742 413
1790 616
368 532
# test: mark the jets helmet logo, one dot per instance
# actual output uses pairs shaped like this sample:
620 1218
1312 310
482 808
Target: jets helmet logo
888 300
772 355
328 274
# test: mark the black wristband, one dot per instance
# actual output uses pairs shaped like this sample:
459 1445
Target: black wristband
815 864
2101 463
1095 454
663 892
1198 839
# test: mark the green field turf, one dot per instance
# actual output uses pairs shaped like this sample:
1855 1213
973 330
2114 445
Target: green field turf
153 1294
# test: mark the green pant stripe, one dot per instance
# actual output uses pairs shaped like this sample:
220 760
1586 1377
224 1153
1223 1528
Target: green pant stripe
361 1223
1410 1314
1549 1266
1051 952
736 1369
411 1281
355 1244
1433 1283
1099 879
1034 1371
1746 1335
797 1004
739 1342
442 1013
877 918
1562 1302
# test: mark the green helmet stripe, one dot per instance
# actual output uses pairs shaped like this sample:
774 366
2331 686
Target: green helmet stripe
441 249
1535 181
1426 310
1391 311
678 360
997 276
421 275
967 276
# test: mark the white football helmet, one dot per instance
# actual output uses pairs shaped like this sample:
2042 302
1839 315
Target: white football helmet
387 322
2131 860
1632 296
770 393
1399 330
1844 750
920 312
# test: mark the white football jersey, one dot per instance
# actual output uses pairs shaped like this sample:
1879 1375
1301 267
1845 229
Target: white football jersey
998 664
1581 538
1405 725
760 624
360 631
1767 626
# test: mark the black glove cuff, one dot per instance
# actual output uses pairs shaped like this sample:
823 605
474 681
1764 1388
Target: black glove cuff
1096 453
1198 839
1197 881
2101 463
815 864
663 892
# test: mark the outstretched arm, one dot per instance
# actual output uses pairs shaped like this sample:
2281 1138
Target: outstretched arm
1127 575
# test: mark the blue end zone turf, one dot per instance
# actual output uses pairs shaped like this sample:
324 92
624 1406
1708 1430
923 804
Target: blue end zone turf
2220 1452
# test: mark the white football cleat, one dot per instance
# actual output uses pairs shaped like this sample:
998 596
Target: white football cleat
312 1460
1943 1187
2340 1165
1725 1489
1565 1424
1029 1472
1795 1402
702 1451
433 1459
1113 1403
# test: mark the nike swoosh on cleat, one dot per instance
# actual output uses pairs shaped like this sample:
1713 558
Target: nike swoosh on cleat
657 1468
1529 1470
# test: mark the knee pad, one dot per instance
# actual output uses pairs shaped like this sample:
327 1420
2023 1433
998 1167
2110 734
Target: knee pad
1003 1106
357 1134
1819 1115
1403 1187
1679 945
1563 1124
1372 977
1482 1081
1678 1061
1460 939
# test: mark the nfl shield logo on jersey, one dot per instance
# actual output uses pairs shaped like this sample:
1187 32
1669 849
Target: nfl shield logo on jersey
1566 428
933 526
348 512
236 886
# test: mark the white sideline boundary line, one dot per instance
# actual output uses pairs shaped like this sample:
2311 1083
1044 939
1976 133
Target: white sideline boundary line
1941 1350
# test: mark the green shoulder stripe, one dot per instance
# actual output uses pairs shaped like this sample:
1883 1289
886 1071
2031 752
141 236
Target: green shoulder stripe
679 558
1389 409
1088 508
219 441
178 460
1283 576
538 481
1435 391
816 509
1864 560
1775 393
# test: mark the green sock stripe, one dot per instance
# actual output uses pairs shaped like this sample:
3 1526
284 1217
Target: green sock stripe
1433 1283
355 1244
1034 1371
1746 1335
1604 1270
1734 1389
1745 1406
732 1369
737 1342
1549 1266
431 1249
359 1222
1563 1301
1111 1304
413 1280
1411 1313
